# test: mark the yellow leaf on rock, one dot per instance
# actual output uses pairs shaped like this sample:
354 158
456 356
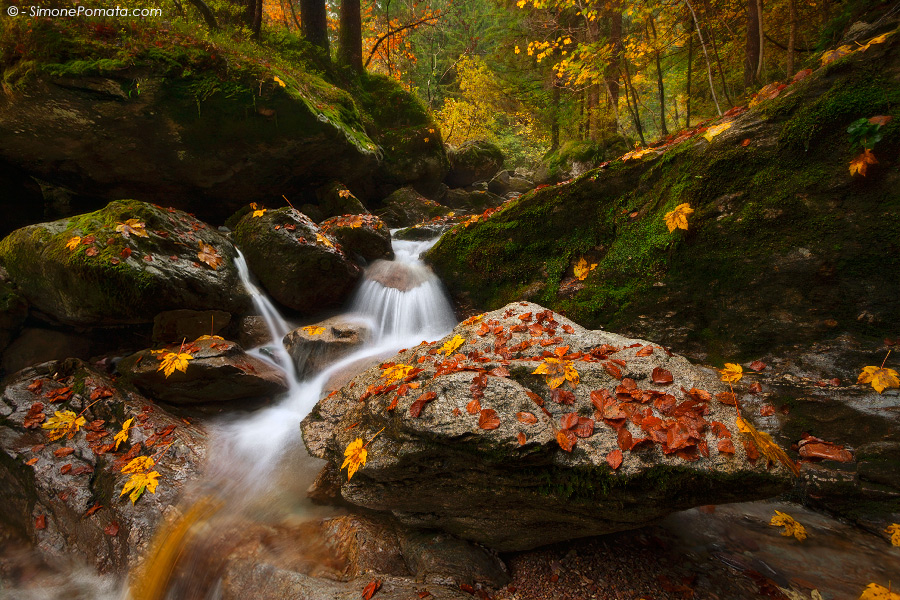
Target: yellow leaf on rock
894 530
874 591
833 55
210 337
879 377
138 483
173 361
451 345
73 242
767 446
556 371
396 372
324 240
582 268
132 227
731 372
314 329
63 423
354 457
122 436
716 130
678 218
344 193
861 163
208 255
139 464
257 212
791 527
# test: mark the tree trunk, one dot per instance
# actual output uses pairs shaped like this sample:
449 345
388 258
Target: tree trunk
350 49
554 125
314 21
256 24
792 37
294 15
208 16
635 113
659 83
594 112
613 67
687 103
762 41
712 89
751 46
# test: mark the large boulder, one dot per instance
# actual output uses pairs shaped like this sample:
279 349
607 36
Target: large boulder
334 200
406 207
475 201
218 371
474 161
505 182
313 347
123 264
64 494
299 264
13 310
485 449
362 235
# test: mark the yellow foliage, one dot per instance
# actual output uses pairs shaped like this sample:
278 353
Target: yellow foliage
678 218
139 464
874 591
582 268
122 436
396 372
138 483
73 242
767 446
556 371
172 361
354 457
324 240
894 530
451 345
257 212
63 423
731 373
860 164
715 130
132 227
879 377
791 527
278 80
314 329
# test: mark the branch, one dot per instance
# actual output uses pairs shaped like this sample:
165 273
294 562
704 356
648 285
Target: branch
208 16
392 32
785 47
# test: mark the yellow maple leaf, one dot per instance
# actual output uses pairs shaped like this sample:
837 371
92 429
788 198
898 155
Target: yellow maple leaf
767 446
731 372
278 80
879 377
132 227
324 240
874 591
473 319
396 372
173 361
73 242
894 530
451 345
861 163
314 329
210 337
354 457
556 371
138 483
791 527
833 55
716 130
344 193
582 268
257 212
208 255
63 423
677 219
122 436
877 40
139 464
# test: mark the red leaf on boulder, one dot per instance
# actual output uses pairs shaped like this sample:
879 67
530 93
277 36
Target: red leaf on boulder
758 365
371 589
521 438
767 410
569 420
488 419
727 398
814 448
566 439
473 407
614 459
726 446
613 370
645 351
584 428
40 522
112 529
526 417
416 409
661 376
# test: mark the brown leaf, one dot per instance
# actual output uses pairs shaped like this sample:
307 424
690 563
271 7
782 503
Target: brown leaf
613 370
584 428
488 419
63 452
31 461
614 459
727 398
814 448
645 351
65 468
758 365
526 417
40 522
697 394
766 410
82 470
661 376
473 407
112 529
566 439
561 396
755 388
97 506
416 409
569 420
521 438
371 589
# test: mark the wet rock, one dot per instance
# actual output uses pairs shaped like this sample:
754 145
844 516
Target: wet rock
362 235
13 310
464 468
178 325
473 161
390 275
314 347
38 345
110 278
436 557
503 183
250 331
220 371
78 510
298 264
475 201
406 207
421 232
336 200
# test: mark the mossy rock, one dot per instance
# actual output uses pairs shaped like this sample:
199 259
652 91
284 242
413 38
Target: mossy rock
476 201
107 278
406 207
477 160
300 265
784 247
364 235
336 200
577 157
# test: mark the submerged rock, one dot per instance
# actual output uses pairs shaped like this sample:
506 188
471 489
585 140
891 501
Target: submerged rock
65 494
123 264
219 371
297 262
314 347
363 235
484 449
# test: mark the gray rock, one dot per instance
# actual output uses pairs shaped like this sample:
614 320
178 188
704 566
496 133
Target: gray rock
442 470
406 207
336 200
504 183
312 351
421 233
361 235
475 201
177 325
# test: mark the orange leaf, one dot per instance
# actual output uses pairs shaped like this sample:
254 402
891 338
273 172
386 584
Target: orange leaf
371 589
488 419
859 164
614 459
566 439
526 418
473 407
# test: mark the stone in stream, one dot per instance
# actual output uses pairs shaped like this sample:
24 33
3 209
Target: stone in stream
406 207
220 371
363 235
296 262
64 495
123 264
313 347
484 460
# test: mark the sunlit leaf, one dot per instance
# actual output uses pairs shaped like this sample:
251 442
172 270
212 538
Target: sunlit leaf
874 591
122 436
172 361
132 227
879 377
556 371
138 483
582 268
452 345
208 255
257 212
894 530
791 527
678 218
63 423
767 446
731 373
73 242
396 372
860 164
716 130
138 464
314 329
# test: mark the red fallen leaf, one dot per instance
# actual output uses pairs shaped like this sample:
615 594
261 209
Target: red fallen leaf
600 398
148 258
88 240
566 439
758 365
456 411
751 450
801 75
416 409
645 351
65 469
40 522
488 419
370 589
697 394
35 386
661 376
467 588
114 260
625 439
63 452
834 382
31 461
569 420
101 392
614 459
766 410
703 447
666 404
521 438
720 430
880 120
526 417
112 529
562 396
814 448
97 506
525 317
568 329
82 470
584 428
613 370
755 388
473 407
92 251
125 253
499 372
727 398
37 448
746 142
35 416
